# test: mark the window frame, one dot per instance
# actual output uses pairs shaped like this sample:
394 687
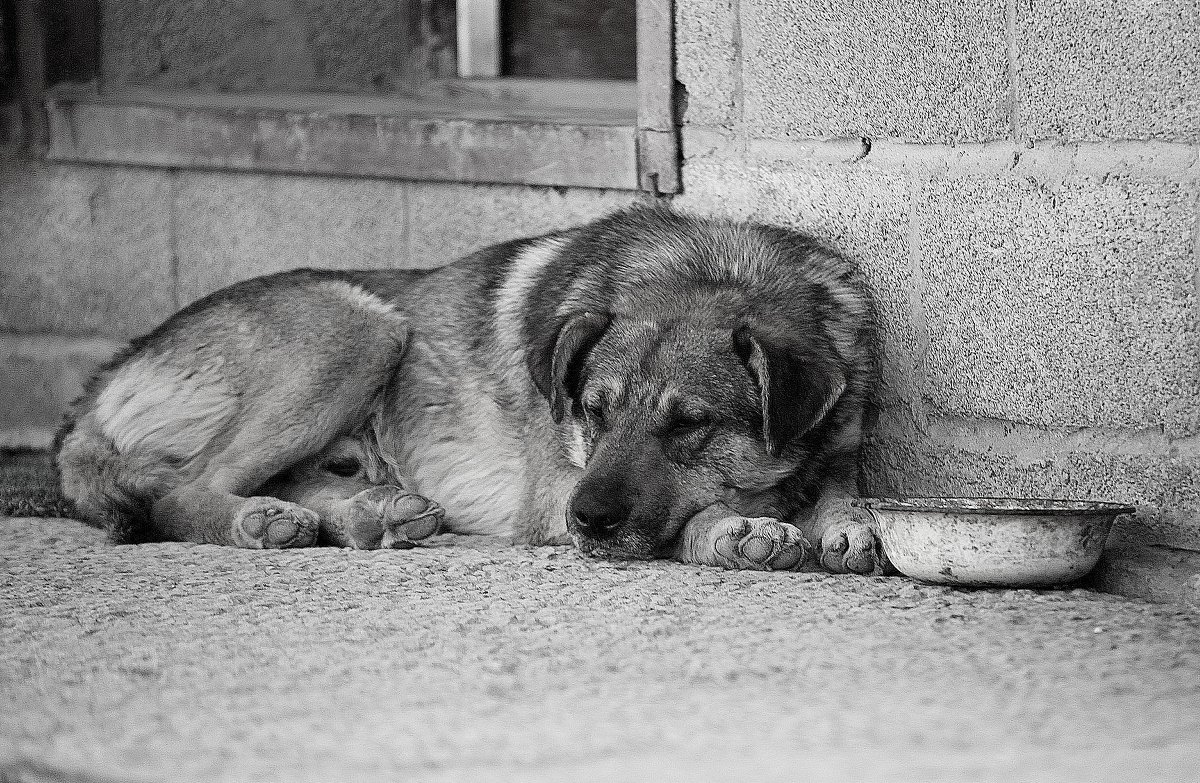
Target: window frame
478 43
550 132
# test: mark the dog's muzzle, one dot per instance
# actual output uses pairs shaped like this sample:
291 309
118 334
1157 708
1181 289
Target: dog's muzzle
597 515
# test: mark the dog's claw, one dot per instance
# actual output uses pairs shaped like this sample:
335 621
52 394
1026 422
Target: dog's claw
388 517
267 523
759 543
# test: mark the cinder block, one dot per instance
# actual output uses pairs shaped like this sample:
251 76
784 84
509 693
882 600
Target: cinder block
1109 70
900 461
235 226
706 60
861 211
39 377
84 249
1065 305
447 221
933 71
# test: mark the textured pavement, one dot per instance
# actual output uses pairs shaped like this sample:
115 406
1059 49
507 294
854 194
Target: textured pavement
470 660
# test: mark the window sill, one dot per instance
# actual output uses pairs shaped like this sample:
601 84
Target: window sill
528 132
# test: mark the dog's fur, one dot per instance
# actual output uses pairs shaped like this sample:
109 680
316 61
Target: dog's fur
650 385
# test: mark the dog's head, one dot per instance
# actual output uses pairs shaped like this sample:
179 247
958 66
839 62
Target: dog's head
667 417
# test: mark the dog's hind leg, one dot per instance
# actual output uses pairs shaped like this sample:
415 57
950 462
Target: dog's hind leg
178 440
204 515
228 503
355 511
218 497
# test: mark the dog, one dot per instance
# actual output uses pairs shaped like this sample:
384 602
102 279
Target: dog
649 385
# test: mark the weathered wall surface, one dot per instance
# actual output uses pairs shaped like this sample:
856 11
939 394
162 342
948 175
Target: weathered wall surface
1026 204
93 255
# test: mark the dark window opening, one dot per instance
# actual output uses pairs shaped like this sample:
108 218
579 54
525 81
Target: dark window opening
568 39
8 51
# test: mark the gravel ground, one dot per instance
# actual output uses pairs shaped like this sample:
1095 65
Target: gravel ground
471 660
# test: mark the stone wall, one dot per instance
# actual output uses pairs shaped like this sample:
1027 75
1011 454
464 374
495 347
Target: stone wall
1019 179
92 255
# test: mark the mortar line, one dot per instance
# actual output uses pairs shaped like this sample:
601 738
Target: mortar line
1013 76
406 213
739 93
173 236
406 225
916 305
1046 441
1196 263
38 343
1043 441
1165 160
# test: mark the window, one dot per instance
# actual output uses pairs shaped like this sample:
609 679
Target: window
571 39
502 121
8 53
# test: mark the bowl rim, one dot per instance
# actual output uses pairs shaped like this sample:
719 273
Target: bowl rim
995 505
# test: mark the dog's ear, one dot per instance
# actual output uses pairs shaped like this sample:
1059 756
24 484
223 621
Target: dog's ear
796 391
554 365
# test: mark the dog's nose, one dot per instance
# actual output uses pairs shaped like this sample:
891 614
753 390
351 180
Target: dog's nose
597 515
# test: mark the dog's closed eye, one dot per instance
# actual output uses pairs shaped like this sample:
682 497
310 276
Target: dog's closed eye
686 422
593 409
343 466
691 421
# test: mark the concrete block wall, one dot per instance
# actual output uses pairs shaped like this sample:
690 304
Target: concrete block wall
1020 181
93 255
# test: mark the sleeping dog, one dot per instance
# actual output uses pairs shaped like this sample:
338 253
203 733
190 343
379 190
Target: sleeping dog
648 385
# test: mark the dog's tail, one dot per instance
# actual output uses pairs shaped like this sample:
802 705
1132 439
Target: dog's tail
108 490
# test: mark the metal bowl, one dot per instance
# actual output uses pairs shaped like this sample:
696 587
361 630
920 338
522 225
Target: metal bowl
993 542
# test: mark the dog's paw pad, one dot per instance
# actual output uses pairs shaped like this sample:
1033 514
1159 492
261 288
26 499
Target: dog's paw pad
759 543
408 518
853 548
388 517
267 523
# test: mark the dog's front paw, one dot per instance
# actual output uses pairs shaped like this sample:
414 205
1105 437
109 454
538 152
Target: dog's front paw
758 543
853 547
387 517
267 523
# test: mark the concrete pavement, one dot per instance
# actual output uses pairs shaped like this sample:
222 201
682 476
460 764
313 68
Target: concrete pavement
471 660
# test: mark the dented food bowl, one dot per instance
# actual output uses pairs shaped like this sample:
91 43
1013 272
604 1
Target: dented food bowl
993 542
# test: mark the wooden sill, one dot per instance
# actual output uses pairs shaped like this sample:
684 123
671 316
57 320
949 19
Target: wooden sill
529 132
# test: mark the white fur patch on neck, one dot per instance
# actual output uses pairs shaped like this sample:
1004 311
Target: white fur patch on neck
512 302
